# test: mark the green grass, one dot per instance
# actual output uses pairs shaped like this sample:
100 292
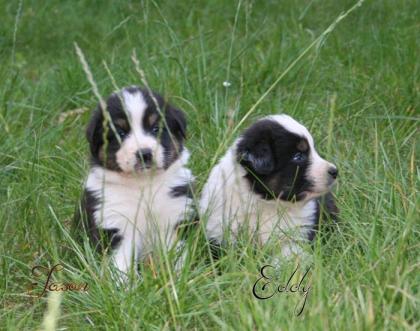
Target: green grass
357 91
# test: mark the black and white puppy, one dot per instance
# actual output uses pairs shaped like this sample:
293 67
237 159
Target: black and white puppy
137 190
269 182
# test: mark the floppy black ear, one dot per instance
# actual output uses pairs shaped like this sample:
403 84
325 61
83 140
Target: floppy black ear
177 122
94 132
259 158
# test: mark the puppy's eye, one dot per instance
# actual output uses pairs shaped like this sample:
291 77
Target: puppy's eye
121 132
299 157
155 129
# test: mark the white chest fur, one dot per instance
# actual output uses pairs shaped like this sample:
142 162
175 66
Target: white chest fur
142 208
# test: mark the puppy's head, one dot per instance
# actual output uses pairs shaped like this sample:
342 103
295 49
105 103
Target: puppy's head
281 162
146 132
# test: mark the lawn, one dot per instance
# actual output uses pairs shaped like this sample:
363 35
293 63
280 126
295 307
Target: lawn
353 80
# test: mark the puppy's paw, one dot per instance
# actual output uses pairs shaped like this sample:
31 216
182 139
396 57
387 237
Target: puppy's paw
292 252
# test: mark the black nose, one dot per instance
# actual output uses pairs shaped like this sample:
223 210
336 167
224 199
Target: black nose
144 155
333 172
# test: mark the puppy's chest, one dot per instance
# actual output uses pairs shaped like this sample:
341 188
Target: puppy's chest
270 213
270 217
276 213
141 206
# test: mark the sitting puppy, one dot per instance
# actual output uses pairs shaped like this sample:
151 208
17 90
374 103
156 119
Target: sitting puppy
269 182
137 190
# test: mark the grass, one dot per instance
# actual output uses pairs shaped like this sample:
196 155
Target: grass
357 91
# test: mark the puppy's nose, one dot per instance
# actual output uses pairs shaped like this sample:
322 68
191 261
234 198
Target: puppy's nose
333 172
144 155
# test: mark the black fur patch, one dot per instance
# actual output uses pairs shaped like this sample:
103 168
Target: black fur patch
112 237
327 210
268 153
182 190
215 249
97 134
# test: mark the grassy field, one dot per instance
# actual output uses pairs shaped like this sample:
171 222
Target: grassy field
356 88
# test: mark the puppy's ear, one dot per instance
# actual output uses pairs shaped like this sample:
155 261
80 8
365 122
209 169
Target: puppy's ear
259 158
177 122
94 132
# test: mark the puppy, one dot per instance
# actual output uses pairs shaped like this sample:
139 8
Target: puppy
137 190
269 182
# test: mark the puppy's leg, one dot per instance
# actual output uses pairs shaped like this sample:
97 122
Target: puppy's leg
290 249
181 254
124 256
290 252
180 234
173 241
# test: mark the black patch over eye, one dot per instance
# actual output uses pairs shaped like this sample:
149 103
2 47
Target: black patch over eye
155 129
299 157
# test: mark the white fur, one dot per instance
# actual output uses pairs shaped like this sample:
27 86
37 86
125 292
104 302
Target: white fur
140 206
228 203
